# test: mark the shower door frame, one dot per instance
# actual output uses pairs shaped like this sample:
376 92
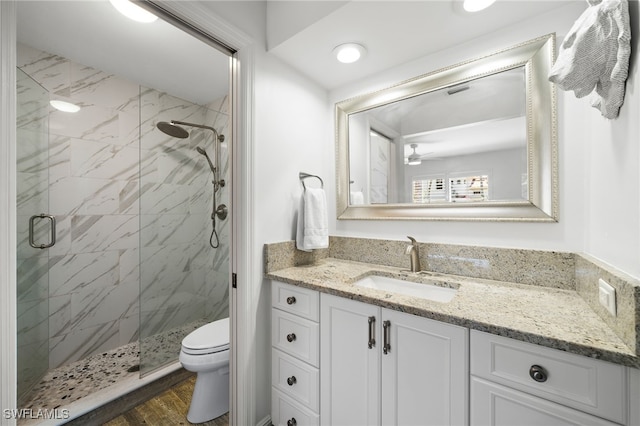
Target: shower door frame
244 262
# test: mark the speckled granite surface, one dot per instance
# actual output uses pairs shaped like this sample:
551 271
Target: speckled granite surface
69 383
555 316
626 323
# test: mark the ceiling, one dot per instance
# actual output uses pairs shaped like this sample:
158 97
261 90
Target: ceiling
300 33
393 32
155 55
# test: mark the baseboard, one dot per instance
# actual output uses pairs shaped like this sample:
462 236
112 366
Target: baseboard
265 422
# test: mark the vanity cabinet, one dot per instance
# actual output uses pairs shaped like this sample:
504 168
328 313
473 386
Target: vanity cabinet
380 366
514 382
294 356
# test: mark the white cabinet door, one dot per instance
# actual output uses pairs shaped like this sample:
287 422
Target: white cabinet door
424 371
496 405
349 369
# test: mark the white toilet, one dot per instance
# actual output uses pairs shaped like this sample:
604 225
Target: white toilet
205 351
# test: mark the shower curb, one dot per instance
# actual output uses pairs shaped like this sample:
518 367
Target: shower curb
124 403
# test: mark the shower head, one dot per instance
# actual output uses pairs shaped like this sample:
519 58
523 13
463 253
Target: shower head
203 152
172 129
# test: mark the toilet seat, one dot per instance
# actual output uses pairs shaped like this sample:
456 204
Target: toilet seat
207 339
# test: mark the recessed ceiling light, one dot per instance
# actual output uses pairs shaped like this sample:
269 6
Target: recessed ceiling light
477 5
64 106
349 52
133 11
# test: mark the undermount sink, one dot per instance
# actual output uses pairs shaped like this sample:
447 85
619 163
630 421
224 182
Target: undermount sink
408 288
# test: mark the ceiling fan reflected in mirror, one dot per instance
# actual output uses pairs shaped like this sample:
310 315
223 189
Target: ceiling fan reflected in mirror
415 159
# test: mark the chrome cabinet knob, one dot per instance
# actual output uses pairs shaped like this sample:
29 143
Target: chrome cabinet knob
292 422
291 337
292 380
537 373
291 300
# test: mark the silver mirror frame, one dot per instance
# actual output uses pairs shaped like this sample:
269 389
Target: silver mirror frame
536 56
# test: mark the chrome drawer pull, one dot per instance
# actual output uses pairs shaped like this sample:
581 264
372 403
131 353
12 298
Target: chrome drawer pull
372 332
386 347
291 300
292 422
537 373
291 337
292 380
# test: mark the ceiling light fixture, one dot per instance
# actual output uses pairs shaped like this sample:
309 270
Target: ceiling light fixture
349 52
64 106
133 11
477 5
414 159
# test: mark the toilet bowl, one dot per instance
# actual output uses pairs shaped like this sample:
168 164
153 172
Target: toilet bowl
205 351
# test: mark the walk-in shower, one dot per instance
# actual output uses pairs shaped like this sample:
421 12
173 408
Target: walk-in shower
131 272
172 128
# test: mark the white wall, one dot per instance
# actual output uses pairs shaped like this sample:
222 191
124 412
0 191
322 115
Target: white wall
594 216
290 134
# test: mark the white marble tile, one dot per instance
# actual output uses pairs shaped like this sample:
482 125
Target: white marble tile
103 233
91 123
129 197
103 161
82 343
33 282
163 199
128 128
84 196
129 265
59 315
51 71
32 194
63 237
95 306
32 152
59 157
72 273
128 329
32 321
95 87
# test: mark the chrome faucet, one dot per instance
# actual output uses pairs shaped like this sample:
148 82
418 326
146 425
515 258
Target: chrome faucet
414 254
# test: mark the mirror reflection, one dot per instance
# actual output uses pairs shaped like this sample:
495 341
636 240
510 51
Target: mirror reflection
472 141
461 144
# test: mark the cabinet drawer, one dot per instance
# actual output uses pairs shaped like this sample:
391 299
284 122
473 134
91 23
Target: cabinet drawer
296 300
295 379
496 405
295 336
287 412
589 385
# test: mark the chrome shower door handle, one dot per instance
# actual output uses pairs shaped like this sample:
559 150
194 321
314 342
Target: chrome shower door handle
52 238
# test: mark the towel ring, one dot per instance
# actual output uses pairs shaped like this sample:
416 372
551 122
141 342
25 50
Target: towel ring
304 176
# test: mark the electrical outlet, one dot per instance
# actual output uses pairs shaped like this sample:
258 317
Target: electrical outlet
607 296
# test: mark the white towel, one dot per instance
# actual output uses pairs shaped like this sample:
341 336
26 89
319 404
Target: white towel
594 56
313 221
357 197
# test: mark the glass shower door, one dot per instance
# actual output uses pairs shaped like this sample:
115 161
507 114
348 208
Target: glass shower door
36 231
184 282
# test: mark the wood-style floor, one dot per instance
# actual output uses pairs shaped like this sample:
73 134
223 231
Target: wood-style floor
169 408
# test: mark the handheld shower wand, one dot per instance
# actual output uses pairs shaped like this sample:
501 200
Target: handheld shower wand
220 211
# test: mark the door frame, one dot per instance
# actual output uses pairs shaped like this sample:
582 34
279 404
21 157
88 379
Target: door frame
242 360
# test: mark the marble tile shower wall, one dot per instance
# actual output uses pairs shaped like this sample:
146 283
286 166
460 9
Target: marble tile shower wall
131 206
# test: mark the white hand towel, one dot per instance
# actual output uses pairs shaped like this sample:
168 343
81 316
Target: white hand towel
357 197
313 222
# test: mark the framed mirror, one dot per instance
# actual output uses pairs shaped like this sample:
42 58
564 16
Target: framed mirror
473 141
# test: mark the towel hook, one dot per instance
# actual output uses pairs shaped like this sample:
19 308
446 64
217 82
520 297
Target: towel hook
304 176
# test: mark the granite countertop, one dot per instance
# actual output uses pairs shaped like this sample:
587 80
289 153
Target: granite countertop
550 317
